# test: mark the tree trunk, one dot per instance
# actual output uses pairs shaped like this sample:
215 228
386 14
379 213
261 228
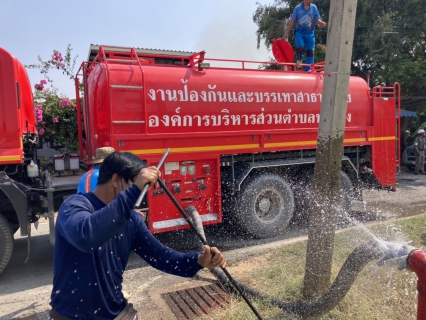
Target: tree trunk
326 184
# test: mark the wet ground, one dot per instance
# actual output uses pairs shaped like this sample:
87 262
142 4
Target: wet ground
25 288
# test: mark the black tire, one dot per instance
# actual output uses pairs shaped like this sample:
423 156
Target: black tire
6 243
303 195
265 206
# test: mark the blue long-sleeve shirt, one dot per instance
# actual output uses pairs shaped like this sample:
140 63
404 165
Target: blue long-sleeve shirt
92 247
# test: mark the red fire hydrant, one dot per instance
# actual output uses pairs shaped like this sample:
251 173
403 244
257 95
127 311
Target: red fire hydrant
417 263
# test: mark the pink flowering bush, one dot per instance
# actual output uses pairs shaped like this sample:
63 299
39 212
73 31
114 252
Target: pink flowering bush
65 64
57 60
56 114
57 118
39 113
65 102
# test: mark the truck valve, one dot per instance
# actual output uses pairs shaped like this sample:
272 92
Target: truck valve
202 185
177 188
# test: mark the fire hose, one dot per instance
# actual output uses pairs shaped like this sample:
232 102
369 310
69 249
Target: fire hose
383 251
356 261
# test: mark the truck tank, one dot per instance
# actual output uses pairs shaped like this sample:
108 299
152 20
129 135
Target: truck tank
228 127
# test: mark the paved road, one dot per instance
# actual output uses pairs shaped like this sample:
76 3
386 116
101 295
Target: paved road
25 288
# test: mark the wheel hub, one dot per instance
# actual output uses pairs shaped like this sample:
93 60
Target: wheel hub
264 205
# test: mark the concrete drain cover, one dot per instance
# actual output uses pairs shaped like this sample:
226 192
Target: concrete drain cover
196 302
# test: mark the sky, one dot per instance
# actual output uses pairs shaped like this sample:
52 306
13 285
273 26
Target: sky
223 28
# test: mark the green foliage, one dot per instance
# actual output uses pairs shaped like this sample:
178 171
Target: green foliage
270 21
56 113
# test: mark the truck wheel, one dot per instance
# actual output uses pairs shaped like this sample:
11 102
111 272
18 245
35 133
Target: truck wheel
6 243
265 206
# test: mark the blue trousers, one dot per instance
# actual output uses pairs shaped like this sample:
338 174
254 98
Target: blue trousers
305 41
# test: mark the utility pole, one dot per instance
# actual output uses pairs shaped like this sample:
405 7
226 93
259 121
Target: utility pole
328 161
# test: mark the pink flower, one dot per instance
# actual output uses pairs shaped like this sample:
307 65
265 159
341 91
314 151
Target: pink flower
43 122
43 82
39 107
39 114
65 102
53 132
55 120
41 132
38 86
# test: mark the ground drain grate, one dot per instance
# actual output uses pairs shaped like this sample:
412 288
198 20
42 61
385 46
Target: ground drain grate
196 302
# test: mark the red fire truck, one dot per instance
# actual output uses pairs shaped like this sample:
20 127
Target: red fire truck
242 139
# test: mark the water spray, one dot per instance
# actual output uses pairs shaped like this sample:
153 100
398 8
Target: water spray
382 251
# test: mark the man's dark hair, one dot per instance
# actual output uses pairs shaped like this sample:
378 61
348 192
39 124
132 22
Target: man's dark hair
125 164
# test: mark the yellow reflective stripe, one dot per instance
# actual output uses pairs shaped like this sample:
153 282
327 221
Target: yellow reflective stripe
254 145
196 149
290 144
9 158
382 138
356 140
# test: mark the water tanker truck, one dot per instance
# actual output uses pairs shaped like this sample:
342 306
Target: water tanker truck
242 139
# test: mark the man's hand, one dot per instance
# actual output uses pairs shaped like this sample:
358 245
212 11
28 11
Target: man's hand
321 23
141 213
211 258
147 175
285 37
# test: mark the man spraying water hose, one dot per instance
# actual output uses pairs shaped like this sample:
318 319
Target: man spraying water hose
307 16
95 234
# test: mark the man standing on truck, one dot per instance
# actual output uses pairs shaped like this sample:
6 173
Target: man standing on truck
95 234
419 147
89 180
307 16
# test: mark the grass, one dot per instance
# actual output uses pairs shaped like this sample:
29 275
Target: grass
378 292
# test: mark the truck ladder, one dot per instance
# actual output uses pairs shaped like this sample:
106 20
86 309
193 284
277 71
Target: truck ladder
134 59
